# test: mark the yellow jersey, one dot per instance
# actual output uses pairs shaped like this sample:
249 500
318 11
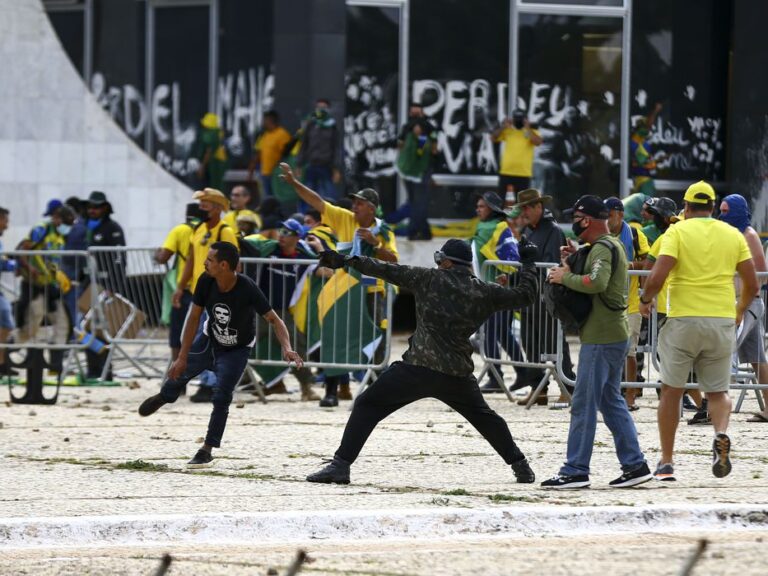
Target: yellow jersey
517 156
201 241
177 242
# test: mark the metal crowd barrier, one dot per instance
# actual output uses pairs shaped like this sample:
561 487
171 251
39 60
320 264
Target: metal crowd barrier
335 321
525 339
545 346
47 300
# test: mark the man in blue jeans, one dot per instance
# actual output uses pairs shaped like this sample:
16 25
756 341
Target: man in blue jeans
604 343
232 301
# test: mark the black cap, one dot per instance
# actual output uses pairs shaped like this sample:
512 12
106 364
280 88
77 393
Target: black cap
592 206
271 222
457 251
614 203
662 206
369 195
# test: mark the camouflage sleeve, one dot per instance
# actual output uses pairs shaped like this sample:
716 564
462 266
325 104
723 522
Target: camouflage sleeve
524 294
409 277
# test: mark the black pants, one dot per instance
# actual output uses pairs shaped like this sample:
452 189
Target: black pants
518 183
401 384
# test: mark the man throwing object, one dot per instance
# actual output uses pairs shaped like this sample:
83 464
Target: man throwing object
451 304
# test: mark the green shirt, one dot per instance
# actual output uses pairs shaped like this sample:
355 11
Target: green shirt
603 326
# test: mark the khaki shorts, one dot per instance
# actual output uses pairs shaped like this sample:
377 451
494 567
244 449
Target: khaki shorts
635 322
702 344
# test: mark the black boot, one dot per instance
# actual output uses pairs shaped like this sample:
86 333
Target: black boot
523 472
336 472
331 398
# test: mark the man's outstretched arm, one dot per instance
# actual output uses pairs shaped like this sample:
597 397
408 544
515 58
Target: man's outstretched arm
406 276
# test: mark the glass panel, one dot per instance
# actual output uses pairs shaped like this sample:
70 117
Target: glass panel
180 94
244 89
70 27
683 68
459 63
619 3
118 75
372 102
570 85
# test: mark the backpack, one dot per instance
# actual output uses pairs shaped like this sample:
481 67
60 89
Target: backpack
572 308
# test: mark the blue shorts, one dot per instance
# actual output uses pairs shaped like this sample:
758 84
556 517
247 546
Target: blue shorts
6 315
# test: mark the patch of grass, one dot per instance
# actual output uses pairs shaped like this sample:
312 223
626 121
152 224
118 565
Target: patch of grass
457 492
142 465
510 498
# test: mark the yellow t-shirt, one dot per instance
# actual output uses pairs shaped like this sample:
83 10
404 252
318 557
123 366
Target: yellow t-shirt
633 298
231 217
707 253
271 145
177 242
201 241
517 157
344 225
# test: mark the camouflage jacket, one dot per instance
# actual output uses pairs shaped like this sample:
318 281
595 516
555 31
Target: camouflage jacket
450 306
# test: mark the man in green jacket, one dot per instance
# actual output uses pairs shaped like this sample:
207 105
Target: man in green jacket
604 343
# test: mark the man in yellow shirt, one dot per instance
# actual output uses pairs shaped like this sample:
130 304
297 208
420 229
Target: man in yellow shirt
700 256
239 199
177 244
519 141
268 150
212 229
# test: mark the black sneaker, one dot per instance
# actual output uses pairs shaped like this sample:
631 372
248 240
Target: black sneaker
203 394
565 482
491 386
629 479
329 401
721 451
701 417
151 405
688 404
336 472
203 459
523 472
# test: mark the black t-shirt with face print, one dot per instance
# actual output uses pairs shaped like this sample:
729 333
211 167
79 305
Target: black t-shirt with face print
231 319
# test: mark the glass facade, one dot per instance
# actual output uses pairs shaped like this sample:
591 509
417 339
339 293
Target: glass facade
568 69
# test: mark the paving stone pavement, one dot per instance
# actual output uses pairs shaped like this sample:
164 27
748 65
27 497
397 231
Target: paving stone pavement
91 454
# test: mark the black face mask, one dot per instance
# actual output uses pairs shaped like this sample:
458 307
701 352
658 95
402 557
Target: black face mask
517 123
660 222
577 228
204 215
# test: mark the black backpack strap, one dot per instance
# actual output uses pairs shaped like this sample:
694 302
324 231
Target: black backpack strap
635 242
614 264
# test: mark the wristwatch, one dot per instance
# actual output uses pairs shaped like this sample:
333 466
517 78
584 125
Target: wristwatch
643 301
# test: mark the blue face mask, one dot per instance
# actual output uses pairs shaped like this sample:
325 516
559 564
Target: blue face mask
63 229
738 214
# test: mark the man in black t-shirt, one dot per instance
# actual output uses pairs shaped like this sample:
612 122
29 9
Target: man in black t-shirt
232 301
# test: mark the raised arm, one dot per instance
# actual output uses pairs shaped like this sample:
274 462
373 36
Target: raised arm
309 196
406 276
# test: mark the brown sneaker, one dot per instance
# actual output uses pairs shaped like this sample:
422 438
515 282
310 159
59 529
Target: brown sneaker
278 388
344 392
307 394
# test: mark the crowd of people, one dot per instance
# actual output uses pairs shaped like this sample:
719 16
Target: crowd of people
223 313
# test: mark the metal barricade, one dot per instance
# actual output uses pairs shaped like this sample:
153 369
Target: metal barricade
131 288
527 339
338 321
46 299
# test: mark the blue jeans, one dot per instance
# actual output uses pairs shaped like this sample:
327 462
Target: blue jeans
320 179
598 381
207 377
228 366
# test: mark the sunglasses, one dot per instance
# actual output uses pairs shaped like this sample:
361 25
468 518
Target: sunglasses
287 232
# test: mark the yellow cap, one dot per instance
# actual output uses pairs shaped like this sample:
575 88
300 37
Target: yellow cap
212 195
210 121
704 191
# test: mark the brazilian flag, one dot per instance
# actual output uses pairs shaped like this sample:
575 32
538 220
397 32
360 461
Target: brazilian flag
348 334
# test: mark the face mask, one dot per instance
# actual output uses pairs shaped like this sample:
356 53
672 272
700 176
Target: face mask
517 123
660 222
577 228
642 132
204 215
321 112
63 229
